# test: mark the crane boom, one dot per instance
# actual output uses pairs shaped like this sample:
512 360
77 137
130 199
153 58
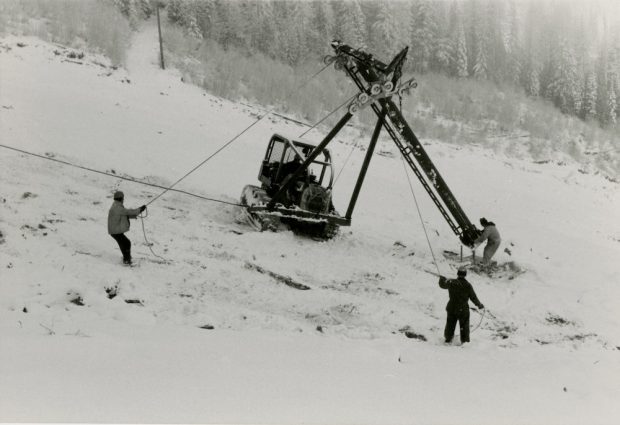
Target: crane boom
377 83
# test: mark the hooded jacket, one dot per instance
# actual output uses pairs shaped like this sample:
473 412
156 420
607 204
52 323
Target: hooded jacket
461 292
490 232
118 218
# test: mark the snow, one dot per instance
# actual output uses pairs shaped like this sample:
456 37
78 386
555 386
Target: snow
331 354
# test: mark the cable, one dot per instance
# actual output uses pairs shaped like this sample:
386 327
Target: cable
116 176
345 163
421 219
211 156
149 244
232 140
328 115
480 322
314 75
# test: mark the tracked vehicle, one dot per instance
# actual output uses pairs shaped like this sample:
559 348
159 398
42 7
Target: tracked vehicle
294 198
303 199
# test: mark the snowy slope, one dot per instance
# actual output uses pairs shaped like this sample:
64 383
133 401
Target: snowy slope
331 354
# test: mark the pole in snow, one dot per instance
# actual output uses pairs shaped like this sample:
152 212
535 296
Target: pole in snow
161 47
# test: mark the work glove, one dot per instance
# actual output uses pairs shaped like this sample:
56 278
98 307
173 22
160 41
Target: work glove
142 208
481 307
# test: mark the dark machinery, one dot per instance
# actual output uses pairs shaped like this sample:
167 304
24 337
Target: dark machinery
282 196
305 202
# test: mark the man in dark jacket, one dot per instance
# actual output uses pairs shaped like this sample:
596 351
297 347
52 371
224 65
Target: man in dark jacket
118 224
460 291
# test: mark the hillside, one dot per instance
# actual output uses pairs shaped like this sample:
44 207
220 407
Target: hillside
205 336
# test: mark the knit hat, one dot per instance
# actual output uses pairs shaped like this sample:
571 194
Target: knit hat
484 221
119 196
462 271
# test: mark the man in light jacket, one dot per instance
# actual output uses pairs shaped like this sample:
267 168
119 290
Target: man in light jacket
491 235
118 224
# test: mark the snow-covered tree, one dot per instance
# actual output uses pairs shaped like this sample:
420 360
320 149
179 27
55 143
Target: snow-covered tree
190 19
146 8
459 55
385 34
611 111
263 27
442 54
322 27
588 104
563 86
480 65
512 45
175 11
129 9
350 23
423 35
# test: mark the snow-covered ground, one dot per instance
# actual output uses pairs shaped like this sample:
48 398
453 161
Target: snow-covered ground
215 340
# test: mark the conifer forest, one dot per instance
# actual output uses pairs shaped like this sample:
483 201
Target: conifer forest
565 51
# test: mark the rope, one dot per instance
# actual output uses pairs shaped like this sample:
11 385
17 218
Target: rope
345 163
231 141
211 156
116 176
149 244
421 219
313 76
328 115
481 317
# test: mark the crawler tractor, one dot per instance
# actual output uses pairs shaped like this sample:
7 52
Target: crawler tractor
296 185
306 205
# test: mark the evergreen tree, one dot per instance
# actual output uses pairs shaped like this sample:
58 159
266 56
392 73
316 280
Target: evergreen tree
322 27
190 18
513 51
384 33
294 40
529 73
459 58
175 11
442 54
228 25
145 8
496 31
350 23
126 7
204 13
480 67
458 44
263 28
602 85
423 35
562 89
588 104
612 105
471 22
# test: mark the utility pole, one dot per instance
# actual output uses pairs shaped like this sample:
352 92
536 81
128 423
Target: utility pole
161 47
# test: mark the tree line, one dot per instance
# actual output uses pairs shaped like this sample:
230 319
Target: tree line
567 52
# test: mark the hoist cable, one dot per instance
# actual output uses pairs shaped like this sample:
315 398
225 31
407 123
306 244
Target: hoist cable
344 164
328 115
420 215
210 156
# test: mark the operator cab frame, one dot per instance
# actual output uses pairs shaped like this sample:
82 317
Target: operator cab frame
285 155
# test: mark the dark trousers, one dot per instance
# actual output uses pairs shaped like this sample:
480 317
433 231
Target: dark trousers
463 319
124 244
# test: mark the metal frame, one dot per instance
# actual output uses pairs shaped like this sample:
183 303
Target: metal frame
367 72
